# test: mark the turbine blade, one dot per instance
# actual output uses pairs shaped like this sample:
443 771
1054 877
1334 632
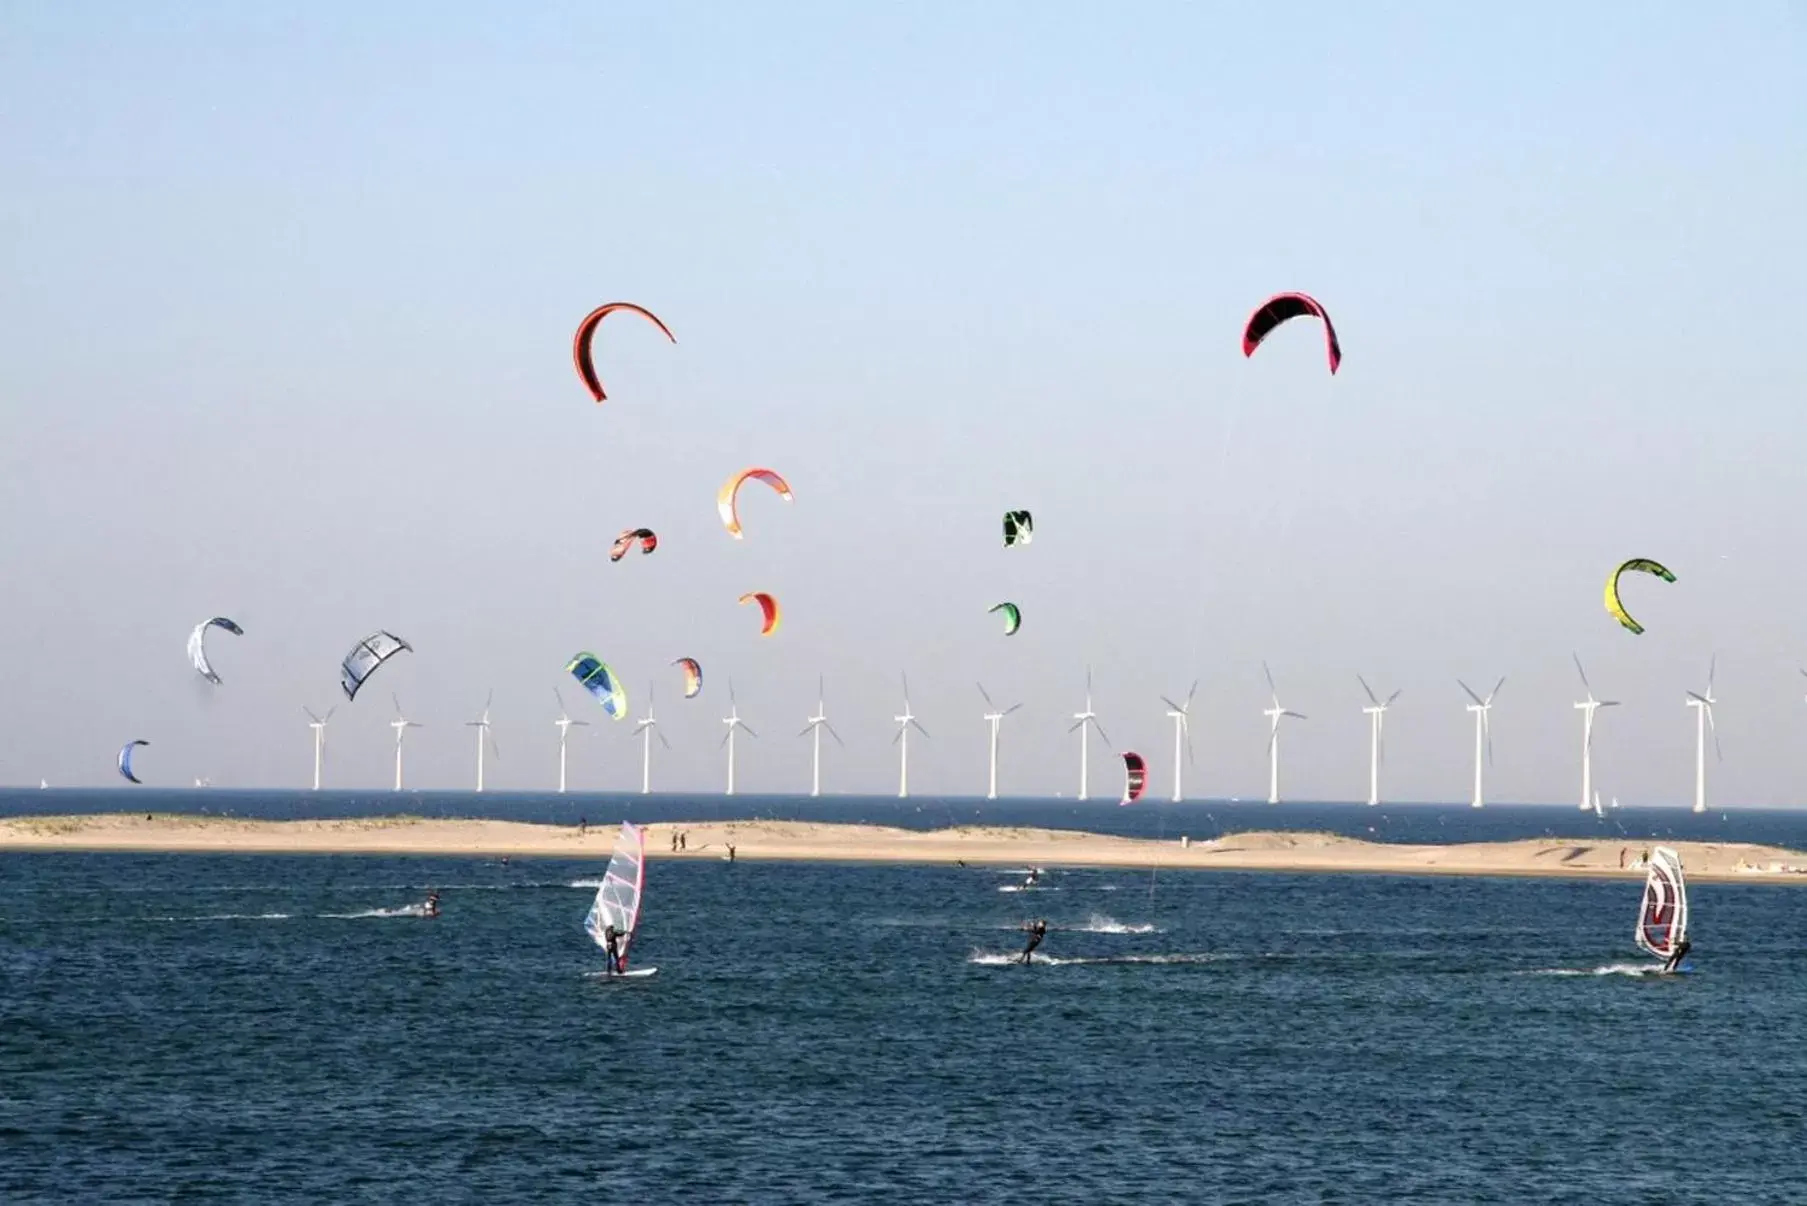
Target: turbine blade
1270 679
748 728
329 713
1697 696
988 703
1608 703
1190 694
919 728
310 714
1101 732
1172 706
727 735
1076 726
1712 668
835 735
1496 688
806 730
1470 691
1013 707
898 736
1394 696
662 740
1370 690
1583 674
1296 715
397 703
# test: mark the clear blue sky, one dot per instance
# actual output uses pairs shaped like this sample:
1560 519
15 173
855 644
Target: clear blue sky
288 293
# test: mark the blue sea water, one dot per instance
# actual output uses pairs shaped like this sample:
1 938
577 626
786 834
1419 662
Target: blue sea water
241 1028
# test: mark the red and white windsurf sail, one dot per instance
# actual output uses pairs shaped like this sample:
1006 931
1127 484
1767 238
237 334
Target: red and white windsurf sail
1663 916
618 898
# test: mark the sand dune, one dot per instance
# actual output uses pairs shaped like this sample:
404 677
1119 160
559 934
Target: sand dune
822 842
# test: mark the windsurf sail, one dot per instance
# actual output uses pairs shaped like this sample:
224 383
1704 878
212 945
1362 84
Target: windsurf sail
617 901
1663 916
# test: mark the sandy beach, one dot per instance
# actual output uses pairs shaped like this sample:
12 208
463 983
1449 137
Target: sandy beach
821 842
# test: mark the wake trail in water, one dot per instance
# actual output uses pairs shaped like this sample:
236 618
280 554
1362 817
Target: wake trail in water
995 959
1636 970
408 910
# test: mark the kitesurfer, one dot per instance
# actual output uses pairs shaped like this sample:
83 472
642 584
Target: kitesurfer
1037 930
1674 961
432 904
611 939
1034 874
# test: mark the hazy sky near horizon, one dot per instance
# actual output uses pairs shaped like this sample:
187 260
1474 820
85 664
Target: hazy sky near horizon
285 324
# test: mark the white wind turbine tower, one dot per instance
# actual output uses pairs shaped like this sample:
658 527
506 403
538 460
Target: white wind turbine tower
401 724
1483 733
1182 732
995 717
1376 712
1588 707
1703 720
643 729
733 721
1080 721
905 723
1273 715
564 723
816 724
481 724
318 724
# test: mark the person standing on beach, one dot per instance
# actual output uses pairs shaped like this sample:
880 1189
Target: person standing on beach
730 851
684 841
1037 930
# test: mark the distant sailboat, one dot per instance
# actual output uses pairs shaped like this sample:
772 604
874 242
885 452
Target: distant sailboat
1663 915
618 900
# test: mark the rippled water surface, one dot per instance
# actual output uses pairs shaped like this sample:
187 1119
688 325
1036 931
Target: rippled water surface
281 1029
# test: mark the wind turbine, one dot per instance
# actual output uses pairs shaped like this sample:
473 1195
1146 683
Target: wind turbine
318 724
564 723
816 724
1273 715
733 721
1483 731
643 729
481 724
401 724
1377 721
1182 730
1703 720
995 717
1080 722
1588 707
905 723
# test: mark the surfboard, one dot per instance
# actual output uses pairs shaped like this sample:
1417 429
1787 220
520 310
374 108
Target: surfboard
633 973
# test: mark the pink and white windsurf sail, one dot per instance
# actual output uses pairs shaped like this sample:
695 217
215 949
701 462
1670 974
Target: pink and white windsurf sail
1663 916
618 898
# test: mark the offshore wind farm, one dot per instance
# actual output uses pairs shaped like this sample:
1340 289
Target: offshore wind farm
994 540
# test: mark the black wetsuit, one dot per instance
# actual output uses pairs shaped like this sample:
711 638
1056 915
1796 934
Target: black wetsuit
1681 952
1037 931
611 939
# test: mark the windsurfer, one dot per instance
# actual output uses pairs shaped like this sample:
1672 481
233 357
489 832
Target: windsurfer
1674 961
1037 930
432 906
1034 874
611 940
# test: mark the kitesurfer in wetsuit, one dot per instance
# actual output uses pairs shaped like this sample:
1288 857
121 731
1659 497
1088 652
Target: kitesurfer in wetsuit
432 904
1681 950
611 938
1034 874
1037 930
